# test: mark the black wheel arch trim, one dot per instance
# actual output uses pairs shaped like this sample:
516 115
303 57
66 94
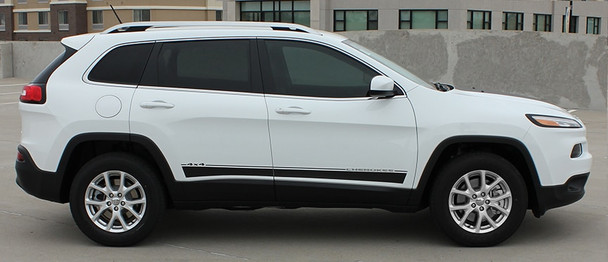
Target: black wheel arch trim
419 196
158 158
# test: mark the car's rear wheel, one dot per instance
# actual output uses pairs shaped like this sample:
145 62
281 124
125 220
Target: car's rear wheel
116 199
479 199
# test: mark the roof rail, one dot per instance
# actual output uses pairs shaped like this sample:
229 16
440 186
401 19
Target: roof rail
143 26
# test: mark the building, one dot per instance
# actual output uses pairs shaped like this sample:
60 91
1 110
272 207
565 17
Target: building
584 17
54 19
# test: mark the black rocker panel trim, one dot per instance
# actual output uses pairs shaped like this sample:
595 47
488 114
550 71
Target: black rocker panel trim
389 177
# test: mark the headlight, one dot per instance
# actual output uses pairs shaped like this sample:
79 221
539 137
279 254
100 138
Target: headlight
553 121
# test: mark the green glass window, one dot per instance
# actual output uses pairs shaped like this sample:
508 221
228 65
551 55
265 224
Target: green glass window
542 22
479 19
351 20
512 21
276 11
573 24
593 25
423 19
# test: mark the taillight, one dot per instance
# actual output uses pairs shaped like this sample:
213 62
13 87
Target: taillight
32 94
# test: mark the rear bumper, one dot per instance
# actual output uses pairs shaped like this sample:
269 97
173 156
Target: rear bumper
556 196
41 184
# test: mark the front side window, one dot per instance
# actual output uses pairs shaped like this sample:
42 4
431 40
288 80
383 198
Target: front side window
512 21
123 65
542 23
351 20
141 15
306 69
423 19
276 11
573 24
223 65
593 25
479 19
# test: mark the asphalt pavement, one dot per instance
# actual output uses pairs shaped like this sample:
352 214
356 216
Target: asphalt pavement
36 230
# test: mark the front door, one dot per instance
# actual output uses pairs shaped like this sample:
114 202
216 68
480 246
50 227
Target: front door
331 142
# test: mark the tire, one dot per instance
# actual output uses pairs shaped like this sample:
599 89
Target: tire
475 216
126 211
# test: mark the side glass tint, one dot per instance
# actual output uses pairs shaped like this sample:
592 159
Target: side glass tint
123 65
306 69
211 64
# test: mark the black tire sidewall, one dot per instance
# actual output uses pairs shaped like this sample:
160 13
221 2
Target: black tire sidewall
461 166
137 168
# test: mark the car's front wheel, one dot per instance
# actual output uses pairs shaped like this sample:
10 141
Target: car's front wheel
479 199
116 199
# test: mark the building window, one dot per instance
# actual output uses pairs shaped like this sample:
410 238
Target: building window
141 15
542 22
62 19
423 19
479 19
43 20
22 21
21 1
218 15
276 11
2 22
593 25
573 24
97 17
512 21
349 20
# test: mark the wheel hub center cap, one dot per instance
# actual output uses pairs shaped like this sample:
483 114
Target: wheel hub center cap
479 201
116 201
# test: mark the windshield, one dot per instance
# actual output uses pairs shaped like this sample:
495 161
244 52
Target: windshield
390 64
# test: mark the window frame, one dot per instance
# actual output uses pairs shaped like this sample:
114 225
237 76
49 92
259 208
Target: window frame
437 20
519 21
369 21
548 25
2 22
139 15
595 25
22 23
65 26
44 15
487 19
573 26
97 14
276 11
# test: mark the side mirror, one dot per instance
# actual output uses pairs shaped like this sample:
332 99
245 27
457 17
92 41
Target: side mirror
382 87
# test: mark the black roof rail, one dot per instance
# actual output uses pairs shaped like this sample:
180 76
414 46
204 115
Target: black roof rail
287 28
130 29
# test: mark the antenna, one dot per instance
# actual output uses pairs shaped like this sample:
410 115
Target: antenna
117 17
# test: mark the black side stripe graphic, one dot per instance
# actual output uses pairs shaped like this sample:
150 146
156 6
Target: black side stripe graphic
205 171
223 171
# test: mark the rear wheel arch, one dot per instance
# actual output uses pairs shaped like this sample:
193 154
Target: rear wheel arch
510 149
84 147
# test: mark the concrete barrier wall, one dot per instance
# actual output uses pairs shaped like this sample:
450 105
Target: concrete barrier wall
569 70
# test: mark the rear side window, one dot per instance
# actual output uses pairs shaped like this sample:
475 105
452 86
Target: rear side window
208 64
123 65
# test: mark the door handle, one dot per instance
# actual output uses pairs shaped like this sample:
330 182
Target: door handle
156 104
292 110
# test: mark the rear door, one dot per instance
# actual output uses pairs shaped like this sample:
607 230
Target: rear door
201 102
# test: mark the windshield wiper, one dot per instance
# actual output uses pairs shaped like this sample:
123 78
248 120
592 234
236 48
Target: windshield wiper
443 87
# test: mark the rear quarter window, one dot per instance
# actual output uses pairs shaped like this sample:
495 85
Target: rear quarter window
123 65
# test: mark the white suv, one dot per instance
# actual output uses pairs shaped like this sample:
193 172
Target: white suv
145 116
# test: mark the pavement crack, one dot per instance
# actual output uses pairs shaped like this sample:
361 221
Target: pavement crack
208 252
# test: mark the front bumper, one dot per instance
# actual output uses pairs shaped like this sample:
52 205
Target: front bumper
36 182
556 196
